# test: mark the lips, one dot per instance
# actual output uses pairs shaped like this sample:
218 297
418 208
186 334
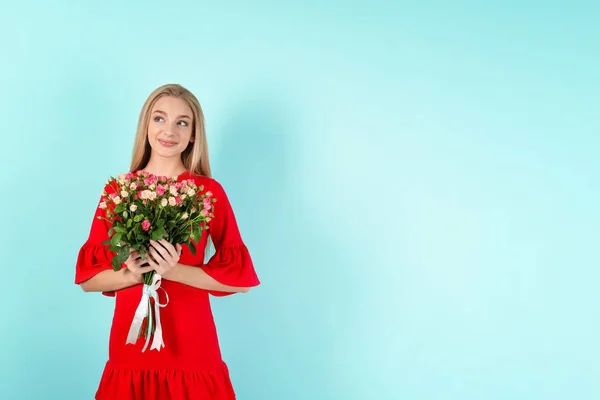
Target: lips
166 143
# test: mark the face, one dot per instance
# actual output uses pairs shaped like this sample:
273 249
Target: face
170 127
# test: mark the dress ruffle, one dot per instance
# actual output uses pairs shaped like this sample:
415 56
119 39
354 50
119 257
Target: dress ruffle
93 258
232 266
123 382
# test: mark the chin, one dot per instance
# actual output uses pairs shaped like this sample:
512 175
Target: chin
166 152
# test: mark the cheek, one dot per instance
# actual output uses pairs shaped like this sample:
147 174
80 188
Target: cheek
152 131
186 135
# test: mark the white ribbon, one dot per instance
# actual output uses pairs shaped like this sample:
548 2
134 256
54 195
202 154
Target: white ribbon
149 291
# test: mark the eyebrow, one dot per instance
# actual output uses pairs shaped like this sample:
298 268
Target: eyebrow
180 116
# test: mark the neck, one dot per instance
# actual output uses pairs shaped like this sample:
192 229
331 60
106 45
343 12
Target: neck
168 168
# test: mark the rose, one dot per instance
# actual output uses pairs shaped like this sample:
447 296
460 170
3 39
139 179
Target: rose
146 225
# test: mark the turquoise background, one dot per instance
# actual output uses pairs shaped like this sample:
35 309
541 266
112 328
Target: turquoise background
417 184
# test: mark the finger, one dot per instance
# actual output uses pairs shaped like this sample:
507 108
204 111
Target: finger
143 270
164 252
134 258
151 263
178 248
139 263
169 247
156 256
134 252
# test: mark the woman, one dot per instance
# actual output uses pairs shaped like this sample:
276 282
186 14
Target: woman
170 142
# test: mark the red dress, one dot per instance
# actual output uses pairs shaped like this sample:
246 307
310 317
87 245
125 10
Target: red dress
190 365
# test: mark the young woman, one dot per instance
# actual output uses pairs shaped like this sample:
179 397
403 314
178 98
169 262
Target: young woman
170 142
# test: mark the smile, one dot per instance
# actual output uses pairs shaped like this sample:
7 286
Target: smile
166 143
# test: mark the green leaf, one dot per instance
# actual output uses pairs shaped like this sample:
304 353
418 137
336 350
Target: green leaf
120 229
138 218
116 239
160 223
120 258
116 265
192 248
158 234
123 253
129 223
125 214
194 235
114 249
107 242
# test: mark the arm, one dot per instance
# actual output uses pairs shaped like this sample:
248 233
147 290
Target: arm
230 270
109 281
196 277
93 269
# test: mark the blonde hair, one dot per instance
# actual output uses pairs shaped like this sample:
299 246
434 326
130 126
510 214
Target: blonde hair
195 156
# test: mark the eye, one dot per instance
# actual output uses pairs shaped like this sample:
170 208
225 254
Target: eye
183 122
156 119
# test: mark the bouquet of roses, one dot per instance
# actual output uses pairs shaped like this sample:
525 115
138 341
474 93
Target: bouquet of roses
143 207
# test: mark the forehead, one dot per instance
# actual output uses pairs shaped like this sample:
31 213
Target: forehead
172 106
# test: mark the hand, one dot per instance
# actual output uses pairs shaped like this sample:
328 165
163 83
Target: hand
134 266
164 256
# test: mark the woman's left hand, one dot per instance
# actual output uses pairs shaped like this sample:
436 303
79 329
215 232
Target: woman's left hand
165 254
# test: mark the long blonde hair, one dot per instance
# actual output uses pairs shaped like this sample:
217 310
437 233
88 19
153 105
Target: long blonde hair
195 156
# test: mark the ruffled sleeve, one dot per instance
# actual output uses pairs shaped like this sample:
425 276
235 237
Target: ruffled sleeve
231 264
93 256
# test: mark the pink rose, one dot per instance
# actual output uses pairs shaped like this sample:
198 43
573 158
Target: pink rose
205 213
178 200
209 193
160 190
146 225
152 179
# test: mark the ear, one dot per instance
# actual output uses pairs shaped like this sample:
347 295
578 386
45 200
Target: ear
192 138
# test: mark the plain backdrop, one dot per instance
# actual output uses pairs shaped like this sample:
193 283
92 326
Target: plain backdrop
417 183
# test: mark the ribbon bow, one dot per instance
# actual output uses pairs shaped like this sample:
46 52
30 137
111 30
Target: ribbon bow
149 291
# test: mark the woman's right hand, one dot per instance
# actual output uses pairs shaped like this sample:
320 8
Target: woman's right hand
134 266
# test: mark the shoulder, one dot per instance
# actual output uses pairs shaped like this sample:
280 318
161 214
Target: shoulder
207 183
115 182
110 186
